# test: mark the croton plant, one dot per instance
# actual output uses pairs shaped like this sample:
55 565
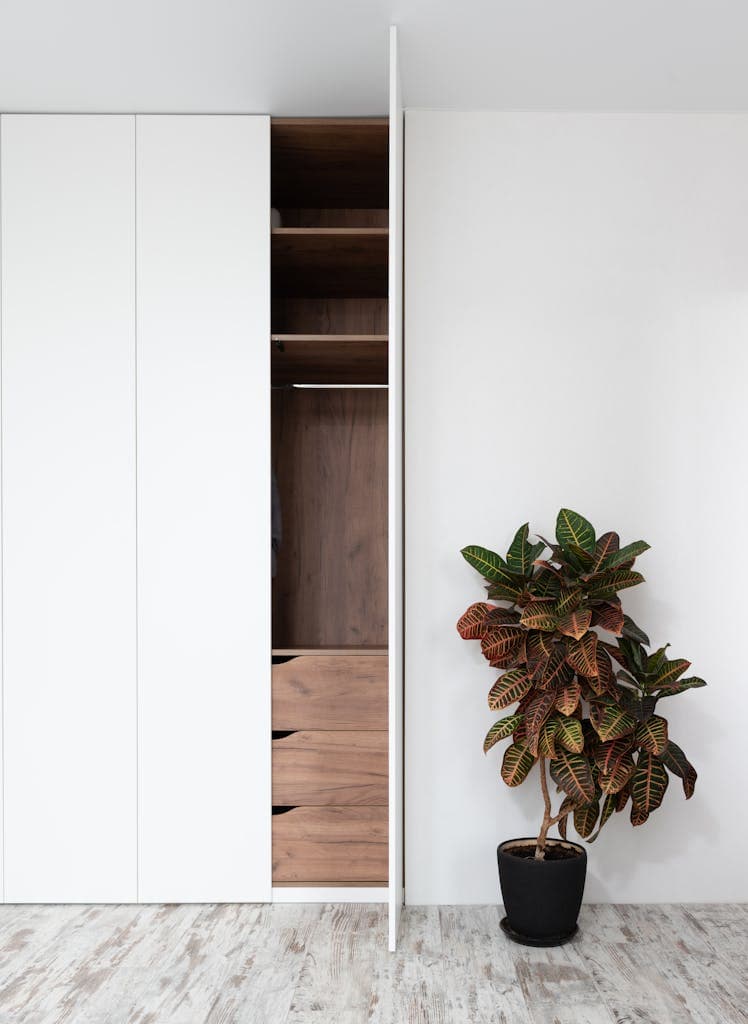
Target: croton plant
578 669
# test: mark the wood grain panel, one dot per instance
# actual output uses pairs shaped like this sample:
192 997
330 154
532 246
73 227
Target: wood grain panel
295 315
330 457
330 692
329 359
328 162
330 261
338 844
334 218
325 769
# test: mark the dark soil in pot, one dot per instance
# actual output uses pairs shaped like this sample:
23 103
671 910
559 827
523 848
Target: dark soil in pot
541 897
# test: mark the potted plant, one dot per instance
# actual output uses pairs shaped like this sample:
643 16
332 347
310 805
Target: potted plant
586 693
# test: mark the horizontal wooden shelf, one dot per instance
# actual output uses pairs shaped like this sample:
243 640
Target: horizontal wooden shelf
329 358
329 262
296 652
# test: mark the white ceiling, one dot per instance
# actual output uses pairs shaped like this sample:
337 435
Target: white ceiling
330 56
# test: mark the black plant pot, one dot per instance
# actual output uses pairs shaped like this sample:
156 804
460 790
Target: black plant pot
541 897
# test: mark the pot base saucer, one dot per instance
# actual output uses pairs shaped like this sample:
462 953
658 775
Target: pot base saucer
526 940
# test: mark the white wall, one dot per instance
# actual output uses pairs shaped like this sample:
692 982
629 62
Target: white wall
576 334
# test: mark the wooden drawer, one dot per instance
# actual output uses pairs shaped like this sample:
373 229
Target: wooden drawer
330 768
331 692
330 844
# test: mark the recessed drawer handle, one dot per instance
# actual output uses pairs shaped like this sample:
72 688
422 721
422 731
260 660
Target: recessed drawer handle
281 734
281 659
281 809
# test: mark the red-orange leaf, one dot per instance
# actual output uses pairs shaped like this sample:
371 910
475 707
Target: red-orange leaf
538 710
575 624
507 689
609 616
605 545
652 735
567 698
502 642
648 783
470 624
573 774
539 615
581 654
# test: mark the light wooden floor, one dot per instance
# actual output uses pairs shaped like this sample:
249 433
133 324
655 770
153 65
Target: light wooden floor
287 964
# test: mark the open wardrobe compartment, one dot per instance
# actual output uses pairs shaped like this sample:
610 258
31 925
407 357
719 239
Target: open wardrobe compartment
330 440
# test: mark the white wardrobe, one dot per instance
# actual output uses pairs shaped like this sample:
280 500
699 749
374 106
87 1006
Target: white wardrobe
136 503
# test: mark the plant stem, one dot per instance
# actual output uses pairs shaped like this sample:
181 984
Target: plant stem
547 819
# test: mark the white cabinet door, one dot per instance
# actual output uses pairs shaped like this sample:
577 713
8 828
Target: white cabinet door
203 352
68 450
395 484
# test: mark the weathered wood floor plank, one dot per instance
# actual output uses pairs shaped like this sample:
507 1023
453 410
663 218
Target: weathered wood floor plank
313 964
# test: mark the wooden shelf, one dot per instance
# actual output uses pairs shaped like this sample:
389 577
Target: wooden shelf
295 652
329 262
329 358
330 162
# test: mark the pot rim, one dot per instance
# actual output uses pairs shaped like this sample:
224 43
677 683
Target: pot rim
509 844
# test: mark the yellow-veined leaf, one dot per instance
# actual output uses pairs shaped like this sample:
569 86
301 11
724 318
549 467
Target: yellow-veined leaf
500 730
567 698
626 554
648 783
571 528
547 738
569 734
491 566
538 710
677 762
585 818
609 616
607 584
671 671
539 615
581 654
516 764
613 722
652 735
606 545
575 624
470 625
501 642
609 805
572 772
508 689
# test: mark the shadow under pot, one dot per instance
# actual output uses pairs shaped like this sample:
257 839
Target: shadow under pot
541 897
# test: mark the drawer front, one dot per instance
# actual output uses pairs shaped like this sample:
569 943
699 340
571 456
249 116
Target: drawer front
317 769
331 845
331 692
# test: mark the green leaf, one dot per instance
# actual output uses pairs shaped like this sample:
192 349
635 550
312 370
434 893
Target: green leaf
545 584
585 818
501 729
571 528
575 624
504 592
632 632
519 558
490 565
508 689
539 615
569 599
572 772
648 783
607 584
614 723
605 546
547 738
691 683
517 762
584 558
569 734
470 625
581 654
566 808
652 735
669 673
626 554
676 762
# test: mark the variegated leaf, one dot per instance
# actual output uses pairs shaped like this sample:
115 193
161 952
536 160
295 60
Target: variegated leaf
504 592
584 559
581 654
681 685
470 624
614 722
638 815
567 698
500 730
677 762
609 616
566 808
575 624
626 554
622 798
538 711
539 649
619 775
547 738
508 689
605 546
669 674
585 818
516 764
569 599
491 566
501 641
555 673
648 783
608 583
539 615
569 734
545 584
572 772
652 735
571 528
521 553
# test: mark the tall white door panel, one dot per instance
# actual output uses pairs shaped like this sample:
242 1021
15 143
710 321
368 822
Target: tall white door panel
395 492
68 451
203 352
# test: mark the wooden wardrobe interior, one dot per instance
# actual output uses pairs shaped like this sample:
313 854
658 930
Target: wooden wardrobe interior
329 187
